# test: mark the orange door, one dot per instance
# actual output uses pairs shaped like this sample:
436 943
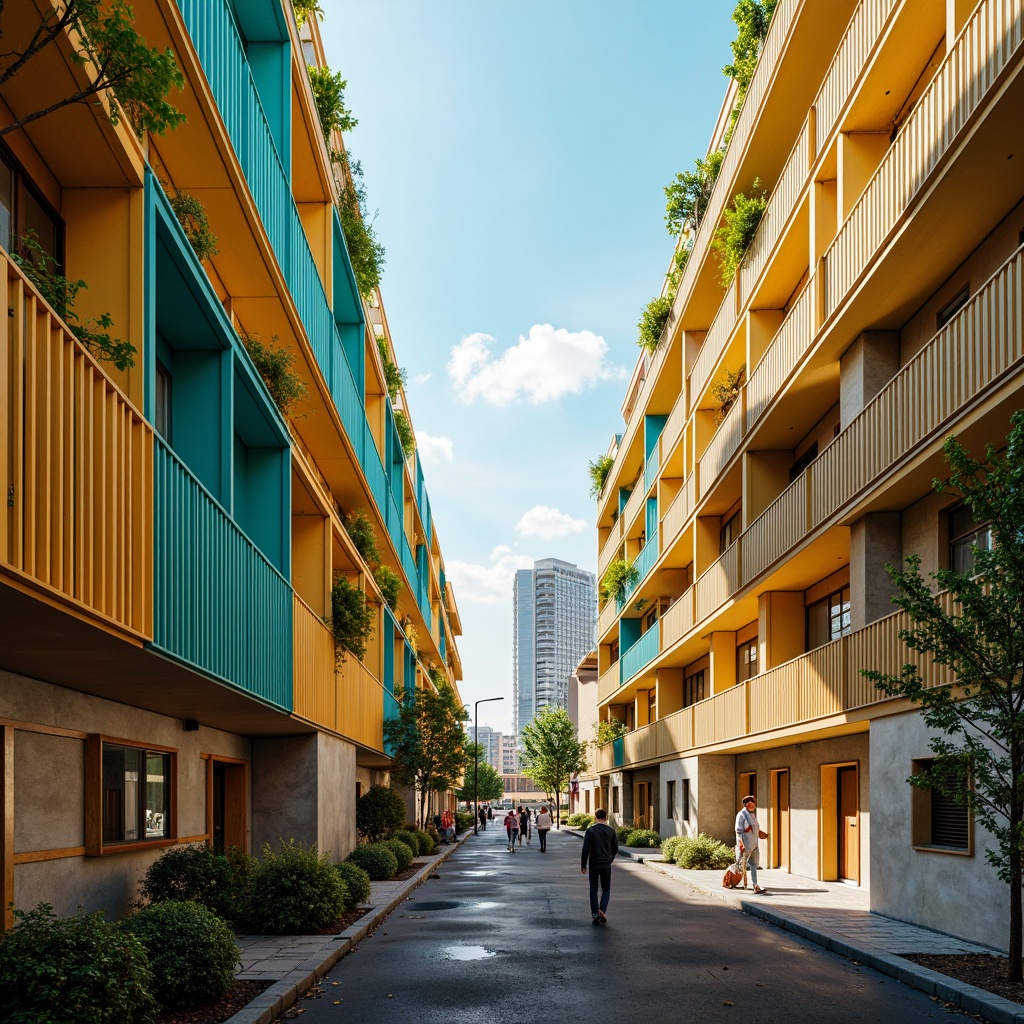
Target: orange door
780 830
849 838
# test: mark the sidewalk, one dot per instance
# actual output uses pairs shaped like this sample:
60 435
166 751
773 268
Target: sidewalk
837 916
295 962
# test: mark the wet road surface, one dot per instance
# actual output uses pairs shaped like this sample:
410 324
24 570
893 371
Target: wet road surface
506 937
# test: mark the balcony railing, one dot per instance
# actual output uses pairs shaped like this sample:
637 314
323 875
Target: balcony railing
678 620
778 529
78 459
608 682
219 605
821 684
714 346
724 444
678 512
960 86
605 621
651 467
633 506
719 583
641 654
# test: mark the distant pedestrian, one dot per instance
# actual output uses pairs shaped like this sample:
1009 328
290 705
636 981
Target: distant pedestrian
512 829
490 813
448 827
524 825
483 818
543 827
600 848
748 831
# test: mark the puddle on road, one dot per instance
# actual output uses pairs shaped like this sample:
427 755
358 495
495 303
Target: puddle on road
477 874
485 905
467 953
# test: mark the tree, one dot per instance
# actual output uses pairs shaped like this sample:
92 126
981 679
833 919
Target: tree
380 812
427 742
976 630
552 752
115 58
490 785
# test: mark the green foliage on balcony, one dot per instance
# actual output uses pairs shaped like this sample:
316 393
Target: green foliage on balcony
733 238
608 732
304 9
192 217
329 96
360 529
405 433
389 583
364 251
598 471
652 322
726 390
619 579
689 193
351 619
274 365
752 19
394 376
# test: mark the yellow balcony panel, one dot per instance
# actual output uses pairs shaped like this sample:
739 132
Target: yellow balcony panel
606 620
714 347
610 548
608 684
718 584
678 620
724 445
640 745
79 474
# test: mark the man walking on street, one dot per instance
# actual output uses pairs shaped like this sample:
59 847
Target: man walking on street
748 831
600 848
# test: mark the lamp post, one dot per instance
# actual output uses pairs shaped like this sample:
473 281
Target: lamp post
476 759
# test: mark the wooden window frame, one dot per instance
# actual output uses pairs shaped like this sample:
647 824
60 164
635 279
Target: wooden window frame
921 839
94 844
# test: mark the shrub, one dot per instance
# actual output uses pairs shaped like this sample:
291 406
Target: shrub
644 837
402 852
410 839
689 193
652 322
294 891
580 820
623 832
376 859
351 619
49 965
463 821
733 238
435 838
360 530
701 852
598 471
380 812
394 376
426 840
192 217
726 390
389 583
274 365
193 952
670 847
365 251
197 874
357 883
329 97
618 578
405 433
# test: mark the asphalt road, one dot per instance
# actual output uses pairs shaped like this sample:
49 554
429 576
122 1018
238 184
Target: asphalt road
506 937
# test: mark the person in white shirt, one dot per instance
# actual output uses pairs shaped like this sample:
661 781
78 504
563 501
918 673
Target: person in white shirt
748 831
543 825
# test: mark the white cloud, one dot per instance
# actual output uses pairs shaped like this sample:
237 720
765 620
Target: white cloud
543 366
422 378
434 450
548 523
486 584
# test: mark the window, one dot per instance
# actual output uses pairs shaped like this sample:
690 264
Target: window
939 819
670 799
952 307
162 419
686 800
803 461
729 532
613 652
136 805
693 688
964 535
828 619
746 660
615 799
650 618
23 210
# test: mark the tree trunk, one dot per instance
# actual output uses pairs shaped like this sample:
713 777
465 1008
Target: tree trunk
1014 950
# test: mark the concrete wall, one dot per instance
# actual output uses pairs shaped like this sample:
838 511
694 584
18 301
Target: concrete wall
710 776
928 888
49 791
336 789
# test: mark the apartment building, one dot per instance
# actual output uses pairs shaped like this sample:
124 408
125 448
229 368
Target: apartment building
171 540
877 310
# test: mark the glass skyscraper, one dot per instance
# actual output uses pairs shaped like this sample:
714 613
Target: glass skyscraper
554 615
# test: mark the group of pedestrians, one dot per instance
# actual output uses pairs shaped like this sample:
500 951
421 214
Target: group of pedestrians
521 823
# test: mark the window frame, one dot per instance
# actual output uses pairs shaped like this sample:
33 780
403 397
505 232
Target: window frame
699 685
23 183
95 844
956 541
845 612
922 836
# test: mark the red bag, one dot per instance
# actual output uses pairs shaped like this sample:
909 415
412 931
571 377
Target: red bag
733 876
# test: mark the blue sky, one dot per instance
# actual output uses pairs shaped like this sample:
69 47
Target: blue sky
516 157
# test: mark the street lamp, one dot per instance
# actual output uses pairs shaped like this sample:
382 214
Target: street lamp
476 759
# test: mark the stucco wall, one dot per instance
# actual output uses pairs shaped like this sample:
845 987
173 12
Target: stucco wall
284 791
336 797
926 887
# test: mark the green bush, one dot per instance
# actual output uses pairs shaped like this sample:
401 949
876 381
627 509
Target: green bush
402 852
195 873
644 837
435 837
389 583
623 832
405 433
733 238
404 835
294 891
652 322
428 844
580 820
53 970
376 859
357 883
670 847
193 952
702 853
463 821
274 364
380 813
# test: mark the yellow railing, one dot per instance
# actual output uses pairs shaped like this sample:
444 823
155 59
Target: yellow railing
610 548
674 426
780 359
677 620
959 87
78 461
724 444
677 514
633 505
608 683
714 346
344 697
639 745
778 529
718 584
605 621
604 758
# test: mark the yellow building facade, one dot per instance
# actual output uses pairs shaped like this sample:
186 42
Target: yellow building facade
172 540
780 441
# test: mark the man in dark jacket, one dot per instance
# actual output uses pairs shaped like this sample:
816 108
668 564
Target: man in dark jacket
600 848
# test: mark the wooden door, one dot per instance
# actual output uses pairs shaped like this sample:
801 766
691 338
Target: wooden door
642 804
780 820
227 805
849 832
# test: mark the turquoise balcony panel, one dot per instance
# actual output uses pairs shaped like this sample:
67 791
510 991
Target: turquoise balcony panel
643 564
443 647
651 518
624 493
619 751
651 467
219 605
348 304
640 655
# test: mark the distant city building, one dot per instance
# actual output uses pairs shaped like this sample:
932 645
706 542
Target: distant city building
509 754
554 615
491 742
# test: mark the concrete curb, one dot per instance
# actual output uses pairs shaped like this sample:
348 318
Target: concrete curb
273 1001
966 997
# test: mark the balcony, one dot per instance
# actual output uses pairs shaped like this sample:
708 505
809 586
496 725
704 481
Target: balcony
716 341
640 655
824 685
219 605
724 444
79 459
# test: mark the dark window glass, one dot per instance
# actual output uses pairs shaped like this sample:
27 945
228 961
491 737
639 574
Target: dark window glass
965 534
693 688
162 420
24 211
686 800
746 660
136 794
953 307
670 799
803 462
828 619
729 532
